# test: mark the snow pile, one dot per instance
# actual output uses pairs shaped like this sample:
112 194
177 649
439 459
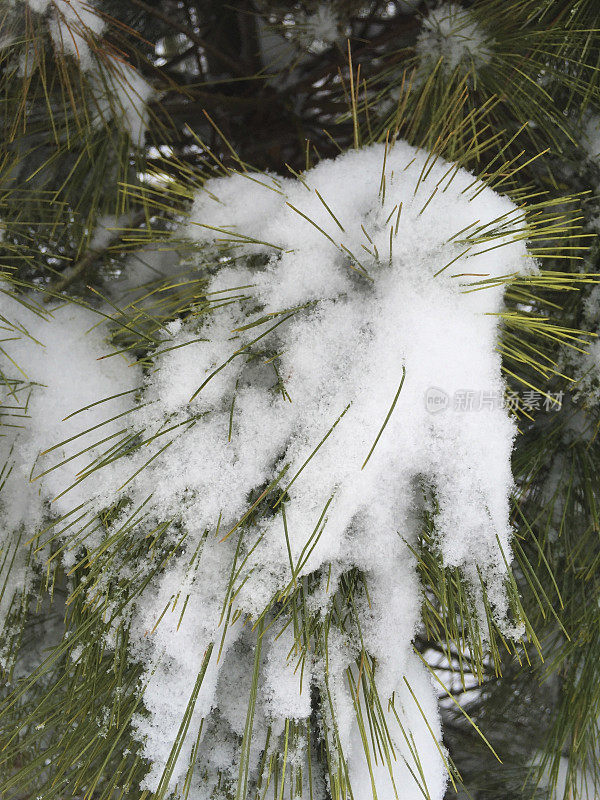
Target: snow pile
452 34
290 438
357 281
49 370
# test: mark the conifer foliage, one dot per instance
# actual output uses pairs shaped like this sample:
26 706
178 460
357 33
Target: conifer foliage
300 400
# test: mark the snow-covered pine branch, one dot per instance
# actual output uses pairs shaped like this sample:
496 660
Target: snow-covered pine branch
281 450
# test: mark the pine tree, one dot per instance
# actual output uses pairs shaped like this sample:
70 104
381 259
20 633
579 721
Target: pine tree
301 393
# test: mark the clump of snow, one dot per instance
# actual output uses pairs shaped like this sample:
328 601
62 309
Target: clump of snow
50 369
38 6
73 24
587 373
148 265
358 280
413 708
277 52
335 305
567 781
319 29
451 33
121 93
27 62
105 230
119 90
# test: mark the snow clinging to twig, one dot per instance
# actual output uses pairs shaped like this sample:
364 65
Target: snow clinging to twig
296 434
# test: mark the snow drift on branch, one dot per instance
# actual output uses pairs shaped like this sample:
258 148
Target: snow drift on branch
361 287
287 434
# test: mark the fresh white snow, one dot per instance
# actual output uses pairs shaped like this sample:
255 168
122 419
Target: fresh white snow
49 370
361 283
340 350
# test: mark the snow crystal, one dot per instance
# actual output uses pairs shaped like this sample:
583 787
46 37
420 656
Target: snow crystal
451 33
